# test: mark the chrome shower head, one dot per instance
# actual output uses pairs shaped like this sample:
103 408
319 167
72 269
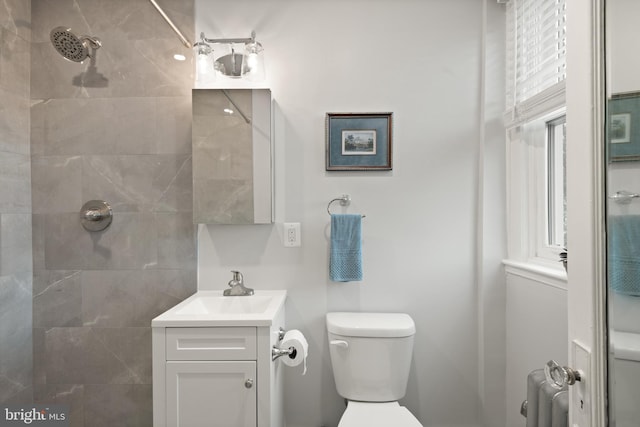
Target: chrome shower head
72 47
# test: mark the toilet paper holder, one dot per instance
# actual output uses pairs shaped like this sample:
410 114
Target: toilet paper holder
277 352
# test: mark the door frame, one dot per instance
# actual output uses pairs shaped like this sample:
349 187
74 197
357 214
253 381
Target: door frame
585 210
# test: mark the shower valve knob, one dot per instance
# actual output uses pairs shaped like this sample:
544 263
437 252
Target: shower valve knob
96 215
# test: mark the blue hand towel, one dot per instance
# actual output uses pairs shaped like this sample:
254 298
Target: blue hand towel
345 262
624 254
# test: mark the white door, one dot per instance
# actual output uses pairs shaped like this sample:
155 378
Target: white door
211 394
585 194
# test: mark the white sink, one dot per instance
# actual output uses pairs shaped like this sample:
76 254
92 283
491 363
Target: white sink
214 304
211 308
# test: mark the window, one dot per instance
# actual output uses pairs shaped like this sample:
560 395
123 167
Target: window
537 189
535 123
537 33
536 52
556 175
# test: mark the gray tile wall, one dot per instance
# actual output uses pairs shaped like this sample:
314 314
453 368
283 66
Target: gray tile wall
15 204
127 142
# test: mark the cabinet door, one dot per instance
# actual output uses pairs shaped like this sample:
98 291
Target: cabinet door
211 394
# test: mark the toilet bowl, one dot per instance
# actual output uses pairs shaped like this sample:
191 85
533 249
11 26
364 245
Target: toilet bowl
371 357
387 414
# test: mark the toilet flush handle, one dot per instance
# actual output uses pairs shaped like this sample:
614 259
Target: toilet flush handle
339 343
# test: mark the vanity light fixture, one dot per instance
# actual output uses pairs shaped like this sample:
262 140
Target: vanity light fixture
249 64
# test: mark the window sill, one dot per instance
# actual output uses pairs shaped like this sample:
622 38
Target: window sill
545 274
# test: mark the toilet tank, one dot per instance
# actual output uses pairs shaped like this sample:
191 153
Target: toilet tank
371 354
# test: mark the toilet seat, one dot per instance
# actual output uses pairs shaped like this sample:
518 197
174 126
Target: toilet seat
377 414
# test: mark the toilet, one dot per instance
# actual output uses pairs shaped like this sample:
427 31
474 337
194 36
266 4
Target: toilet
625 368
371 357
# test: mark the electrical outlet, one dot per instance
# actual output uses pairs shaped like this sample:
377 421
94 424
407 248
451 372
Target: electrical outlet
292 234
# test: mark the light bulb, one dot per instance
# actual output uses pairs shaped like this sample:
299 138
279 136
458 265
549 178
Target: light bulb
252 62
204 63
253 68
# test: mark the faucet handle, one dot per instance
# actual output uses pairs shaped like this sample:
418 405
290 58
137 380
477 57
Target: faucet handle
236 280
237 286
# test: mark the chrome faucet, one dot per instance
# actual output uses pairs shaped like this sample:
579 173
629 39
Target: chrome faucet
237 288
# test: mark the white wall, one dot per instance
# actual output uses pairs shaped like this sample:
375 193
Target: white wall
623 75
491 224
622 34
536 332
422 61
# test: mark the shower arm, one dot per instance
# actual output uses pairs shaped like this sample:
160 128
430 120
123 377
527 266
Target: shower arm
94 42
173 26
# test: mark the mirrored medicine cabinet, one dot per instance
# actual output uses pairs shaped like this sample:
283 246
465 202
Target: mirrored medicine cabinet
232 160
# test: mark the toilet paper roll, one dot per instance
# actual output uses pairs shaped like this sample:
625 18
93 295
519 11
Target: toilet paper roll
295 339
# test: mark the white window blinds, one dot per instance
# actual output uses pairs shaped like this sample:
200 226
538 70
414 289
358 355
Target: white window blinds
536 65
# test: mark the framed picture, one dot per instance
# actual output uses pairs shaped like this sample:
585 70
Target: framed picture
358 141
619 128
622 134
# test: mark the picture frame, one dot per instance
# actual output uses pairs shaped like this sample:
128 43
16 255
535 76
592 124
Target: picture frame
620 128
359 141
623 136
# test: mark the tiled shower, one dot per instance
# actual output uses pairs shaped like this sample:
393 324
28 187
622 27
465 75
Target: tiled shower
16 271
76 305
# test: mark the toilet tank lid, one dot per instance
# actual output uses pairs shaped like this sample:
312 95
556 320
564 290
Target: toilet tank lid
625 345
378 325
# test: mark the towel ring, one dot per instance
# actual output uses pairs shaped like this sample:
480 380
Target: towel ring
344 200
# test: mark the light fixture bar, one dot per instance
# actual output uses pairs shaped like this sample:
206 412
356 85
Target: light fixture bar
173 26
245 40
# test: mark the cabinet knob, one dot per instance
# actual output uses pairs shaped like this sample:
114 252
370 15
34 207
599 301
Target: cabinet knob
248 383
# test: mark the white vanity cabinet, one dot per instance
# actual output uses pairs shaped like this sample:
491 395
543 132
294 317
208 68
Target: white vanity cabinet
217 375
211 393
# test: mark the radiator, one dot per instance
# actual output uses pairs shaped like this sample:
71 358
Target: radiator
546 406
